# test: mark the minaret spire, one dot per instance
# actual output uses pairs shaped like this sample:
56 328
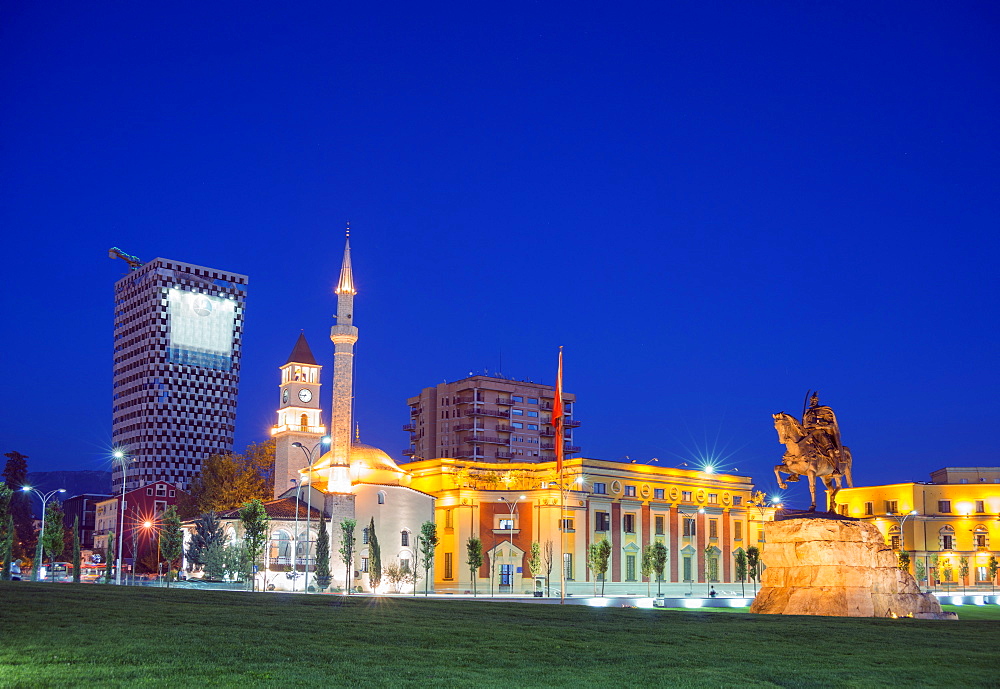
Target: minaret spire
344 335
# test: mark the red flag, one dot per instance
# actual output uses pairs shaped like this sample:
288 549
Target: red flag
557 417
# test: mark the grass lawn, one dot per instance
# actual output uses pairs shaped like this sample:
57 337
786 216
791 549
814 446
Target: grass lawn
76 635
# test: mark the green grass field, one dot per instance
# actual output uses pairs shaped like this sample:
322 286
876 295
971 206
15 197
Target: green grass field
90 635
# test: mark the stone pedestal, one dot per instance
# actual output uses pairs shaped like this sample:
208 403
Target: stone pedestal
838 568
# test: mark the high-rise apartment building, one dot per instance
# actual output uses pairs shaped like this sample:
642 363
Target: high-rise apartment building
488 418
178 333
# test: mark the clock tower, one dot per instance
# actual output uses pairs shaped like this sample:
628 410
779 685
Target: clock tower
299 417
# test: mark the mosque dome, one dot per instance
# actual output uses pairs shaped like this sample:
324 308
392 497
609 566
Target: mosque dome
371 458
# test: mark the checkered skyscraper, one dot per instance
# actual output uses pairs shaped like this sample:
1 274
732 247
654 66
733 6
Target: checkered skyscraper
178 335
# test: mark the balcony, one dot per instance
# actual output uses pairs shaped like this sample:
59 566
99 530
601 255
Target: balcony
571 423
504 400
504 428
467 454
409 452
504 455
491 440
545 406
572 449
467 427
409 427
467 400
547 433
488 412
416 411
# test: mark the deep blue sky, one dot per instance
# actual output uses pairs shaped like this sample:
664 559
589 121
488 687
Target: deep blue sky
713 206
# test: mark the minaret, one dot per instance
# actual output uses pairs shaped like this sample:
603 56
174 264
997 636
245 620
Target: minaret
299 416
344 335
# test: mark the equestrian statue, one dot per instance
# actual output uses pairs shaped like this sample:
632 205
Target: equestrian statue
813 449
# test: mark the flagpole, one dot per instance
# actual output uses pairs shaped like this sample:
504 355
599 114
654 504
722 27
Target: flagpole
557 422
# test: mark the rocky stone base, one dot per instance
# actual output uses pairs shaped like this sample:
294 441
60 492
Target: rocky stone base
836 568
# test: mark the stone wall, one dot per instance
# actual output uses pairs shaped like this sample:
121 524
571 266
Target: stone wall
840 568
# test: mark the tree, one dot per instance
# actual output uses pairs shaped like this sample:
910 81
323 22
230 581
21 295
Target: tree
598 555
213 560
992 567
109 557
659 563
711 572
428 544
235 561
920 571
374 558
172 541
207 530
347 527
322 555
77 562
53 540
255 523
397 573
7 535
903 560
228 481
474 552
548 559
647 566
753 565
963 570
15 475
741 569
535 561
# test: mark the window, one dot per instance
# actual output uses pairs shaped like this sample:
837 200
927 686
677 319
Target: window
980 506
686 496
517 424
842 509
737 531
629 523
600 489
160 506
381 497
364 535
869 509
689 527
364 564
304 423
687 568
737 500
630 568
630 491
713 498
533 413
760 533
149 491
172 493
567 524
658 493
982 574
517 398
891 506
404 538
658 522
944 506
449 520
947 538
161 490
506 524
963 480
532 400
449 572
603 521
568 566
532 426
713 528
713 568
404 564
517 412
979 539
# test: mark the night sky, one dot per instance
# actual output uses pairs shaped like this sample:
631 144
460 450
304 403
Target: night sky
714 207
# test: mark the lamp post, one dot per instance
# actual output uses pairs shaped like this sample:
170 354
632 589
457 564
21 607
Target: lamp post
41 534
510 532
147 525
125 460
693 534
901 520
295 538
309 462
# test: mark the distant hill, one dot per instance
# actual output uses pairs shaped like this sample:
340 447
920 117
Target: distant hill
75 482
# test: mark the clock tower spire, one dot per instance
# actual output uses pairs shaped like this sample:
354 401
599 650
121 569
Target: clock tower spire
299 415
344 335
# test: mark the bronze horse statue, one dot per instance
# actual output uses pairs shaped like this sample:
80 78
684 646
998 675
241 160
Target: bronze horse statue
810 453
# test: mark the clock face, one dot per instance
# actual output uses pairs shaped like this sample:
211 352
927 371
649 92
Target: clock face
284 396
305 395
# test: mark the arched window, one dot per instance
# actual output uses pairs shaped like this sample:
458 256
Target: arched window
894 537
281 548
981 538
304 422
946 537
381 497
404 538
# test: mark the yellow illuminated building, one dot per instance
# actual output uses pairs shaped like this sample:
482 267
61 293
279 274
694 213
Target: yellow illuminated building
955 516
701 517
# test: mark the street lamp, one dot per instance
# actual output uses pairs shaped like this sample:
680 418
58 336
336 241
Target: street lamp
41 534
295 543
901 520
510 532
124 460
694 532
309 462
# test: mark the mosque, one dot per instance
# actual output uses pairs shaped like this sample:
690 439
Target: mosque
318 474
